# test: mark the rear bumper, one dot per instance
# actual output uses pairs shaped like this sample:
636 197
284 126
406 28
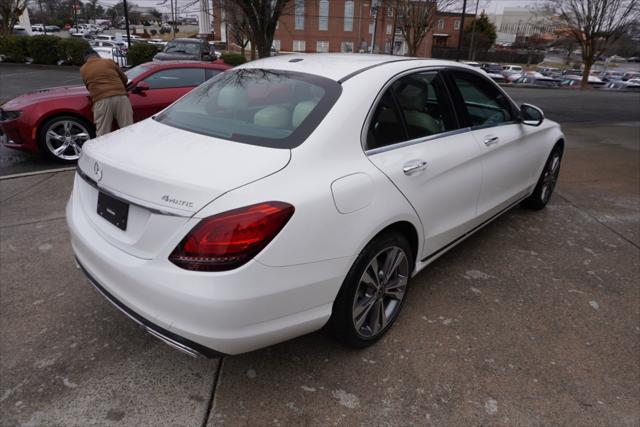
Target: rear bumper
203 313
180 343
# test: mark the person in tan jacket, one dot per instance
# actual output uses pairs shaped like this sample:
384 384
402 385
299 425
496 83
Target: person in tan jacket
107 86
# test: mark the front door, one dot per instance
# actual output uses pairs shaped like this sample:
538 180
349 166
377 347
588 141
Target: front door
414 138
510 154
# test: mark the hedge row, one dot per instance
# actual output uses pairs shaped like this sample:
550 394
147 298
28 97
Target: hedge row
140 53
43 49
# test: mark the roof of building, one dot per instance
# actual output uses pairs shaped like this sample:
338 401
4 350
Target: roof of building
335 66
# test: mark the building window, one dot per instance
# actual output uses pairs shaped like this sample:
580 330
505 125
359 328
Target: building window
323 18
390 12
441 24
322 47
456 24
348 15
299 46
346 47
389 28
370 28
276 45
299 12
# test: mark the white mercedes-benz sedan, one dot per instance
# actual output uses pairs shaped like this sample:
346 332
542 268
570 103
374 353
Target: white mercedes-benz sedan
301 191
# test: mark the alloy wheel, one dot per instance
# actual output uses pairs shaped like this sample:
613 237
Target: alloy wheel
550 178
380 292
64 139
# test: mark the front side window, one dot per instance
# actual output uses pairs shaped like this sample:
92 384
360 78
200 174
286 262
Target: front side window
484 104
175 77
270 108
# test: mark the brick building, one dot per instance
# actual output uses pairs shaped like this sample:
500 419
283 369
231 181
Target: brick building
348 26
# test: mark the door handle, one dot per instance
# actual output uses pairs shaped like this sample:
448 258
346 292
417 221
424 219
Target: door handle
412 168
489 140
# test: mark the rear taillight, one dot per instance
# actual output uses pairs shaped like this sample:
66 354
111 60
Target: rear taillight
230 239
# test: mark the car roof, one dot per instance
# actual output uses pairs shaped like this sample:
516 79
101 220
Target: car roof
179 63
338 66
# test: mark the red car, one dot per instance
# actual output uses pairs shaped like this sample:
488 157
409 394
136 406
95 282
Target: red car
57 121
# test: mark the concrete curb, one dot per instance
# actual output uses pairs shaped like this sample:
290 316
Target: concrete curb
25 174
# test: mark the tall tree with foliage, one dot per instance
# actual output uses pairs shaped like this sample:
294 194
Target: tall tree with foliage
416 18
484 33
261 18
595 25
11 11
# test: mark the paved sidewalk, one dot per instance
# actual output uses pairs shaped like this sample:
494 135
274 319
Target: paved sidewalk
533 321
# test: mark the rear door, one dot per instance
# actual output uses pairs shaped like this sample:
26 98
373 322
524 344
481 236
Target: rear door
415 139
165 87
510 154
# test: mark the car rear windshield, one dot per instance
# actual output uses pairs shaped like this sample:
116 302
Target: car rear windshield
270 108
182 47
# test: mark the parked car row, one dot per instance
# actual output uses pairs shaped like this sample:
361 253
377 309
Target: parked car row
56 122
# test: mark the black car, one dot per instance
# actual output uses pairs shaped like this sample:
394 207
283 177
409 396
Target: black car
186 49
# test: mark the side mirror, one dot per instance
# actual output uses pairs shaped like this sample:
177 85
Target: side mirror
140 87
531 115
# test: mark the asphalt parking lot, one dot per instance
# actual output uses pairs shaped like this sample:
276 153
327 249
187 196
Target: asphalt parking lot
535 320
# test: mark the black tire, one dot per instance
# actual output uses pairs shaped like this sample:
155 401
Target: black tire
353 297
79 132
547 181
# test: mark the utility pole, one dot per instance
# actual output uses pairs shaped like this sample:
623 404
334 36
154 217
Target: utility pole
374 11
44 26
395 25
75 15
126 22
473 34
464 11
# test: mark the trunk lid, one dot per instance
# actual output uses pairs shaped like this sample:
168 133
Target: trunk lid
166 175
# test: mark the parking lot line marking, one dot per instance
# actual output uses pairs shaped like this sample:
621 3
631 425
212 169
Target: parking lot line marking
25 174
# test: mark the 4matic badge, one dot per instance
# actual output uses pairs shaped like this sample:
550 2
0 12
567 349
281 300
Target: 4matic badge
177 202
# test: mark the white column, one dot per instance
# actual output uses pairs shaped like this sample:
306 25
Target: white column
24 20
204 21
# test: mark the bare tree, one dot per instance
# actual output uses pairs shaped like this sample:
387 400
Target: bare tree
261 20
416 18
595 25
237 25
11 11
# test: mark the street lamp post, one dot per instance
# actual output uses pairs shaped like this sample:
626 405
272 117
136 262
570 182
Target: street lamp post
126 23
374 12
464 11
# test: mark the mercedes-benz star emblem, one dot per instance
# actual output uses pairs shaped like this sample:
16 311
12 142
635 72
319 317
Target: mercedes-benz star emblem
97 171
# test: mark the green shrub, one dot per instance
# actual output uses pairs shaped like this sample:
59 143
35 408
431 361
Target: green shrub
71 50
233 59
14 48
43 49
140 53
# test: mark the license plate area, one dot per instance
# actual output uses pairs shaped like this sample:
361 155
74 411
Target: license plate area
113 210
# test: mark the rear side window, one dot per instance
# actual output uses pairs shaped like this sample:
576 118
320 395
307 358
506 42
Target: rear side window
176 77
483 103
414 106
423 103
271 108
